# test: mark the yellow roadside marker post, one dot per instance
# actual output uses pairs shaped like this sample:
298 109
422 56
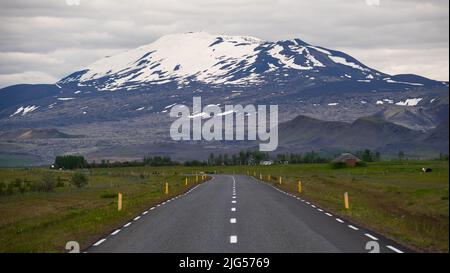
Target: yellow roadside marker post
268 177
119 201
260 176
280 180
254 173
299 186
186 181
167 188
346 200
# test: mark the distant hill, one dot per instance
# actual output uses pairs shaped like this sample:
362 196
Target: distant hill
27 134
305 133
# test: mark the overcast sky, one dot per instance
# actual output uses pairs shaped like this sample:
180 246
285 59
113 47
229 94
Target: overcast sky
43 40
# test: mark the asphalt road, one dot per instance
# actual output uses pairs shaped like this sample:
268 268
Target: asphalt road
240 214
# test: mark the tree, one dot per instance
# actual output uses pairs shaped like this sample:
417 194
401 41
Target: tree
211 159
401 155
70 162
79 180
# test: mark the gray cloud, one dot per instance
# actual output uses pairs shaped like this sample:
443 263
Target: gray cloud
42 41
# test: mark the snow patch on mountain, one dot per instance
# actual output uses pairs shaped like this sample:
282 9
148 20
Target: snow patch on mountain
24 110
343 61
409 102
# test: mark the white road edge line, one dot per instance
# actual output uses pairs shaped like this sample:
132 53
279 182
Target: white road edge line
99 242
339 220
137 218
127 224
115 232
371 236
353 227
394 249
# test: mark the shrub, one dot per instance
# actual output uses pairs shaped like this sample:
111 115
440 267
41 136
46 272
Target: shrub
338 165
47 183
361 164
2 188
59 182
10 188
79 180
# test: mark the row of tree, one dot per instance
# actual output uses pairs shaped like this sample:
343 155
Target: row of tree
244 157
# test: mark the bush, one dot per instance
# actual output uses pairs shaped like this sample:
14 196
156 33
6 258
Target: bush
79 180
47 184
59 182
2 188
338 165
10 188
361 164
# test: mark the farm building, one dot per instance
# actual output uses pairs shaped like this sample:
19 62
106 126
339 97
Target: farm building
347 158
266 162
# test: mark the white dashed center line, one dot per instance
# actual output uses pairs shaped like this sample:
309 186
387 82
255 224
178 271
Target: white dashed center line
233 239
233 220
234 201
233 209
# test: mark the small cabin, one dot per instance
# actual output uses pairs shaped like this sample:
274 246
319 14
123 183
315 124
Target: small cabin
348 159
266 162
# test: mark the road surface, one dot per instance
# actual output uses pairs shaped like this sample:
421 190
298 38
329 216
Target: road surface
235 213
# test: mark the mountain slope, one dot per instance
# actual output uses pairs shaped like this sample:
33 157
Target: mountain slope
305 134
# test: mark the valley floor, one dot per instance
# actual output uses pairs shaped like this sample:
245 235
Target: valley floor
395 199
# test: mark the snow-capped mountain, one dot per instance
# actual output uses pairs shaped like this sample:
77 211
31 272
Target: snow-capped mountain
199 57
300 78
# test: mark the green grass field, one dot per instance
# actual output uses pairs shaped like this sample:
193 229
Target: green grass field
393 198
44 222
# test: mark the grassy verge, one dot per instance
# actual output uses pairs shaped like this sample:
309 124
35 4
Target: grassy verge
44 222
